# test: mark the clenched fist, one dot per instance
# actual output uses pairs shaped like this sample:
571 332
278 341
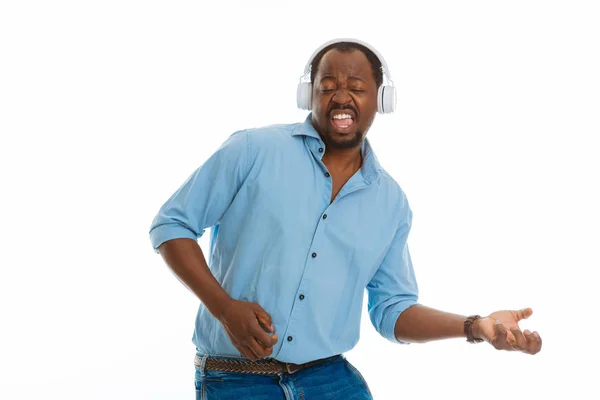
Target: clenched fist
247 324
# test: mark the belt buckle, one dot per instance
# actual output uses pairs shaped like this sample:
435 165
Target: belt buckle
291 368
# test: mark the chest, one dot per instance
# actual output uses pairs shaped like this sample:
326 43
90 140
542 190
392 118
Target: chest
292 197
296 197
338 180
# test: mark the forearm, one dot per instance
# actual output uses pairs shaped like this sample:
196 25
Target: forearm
419 324
186 260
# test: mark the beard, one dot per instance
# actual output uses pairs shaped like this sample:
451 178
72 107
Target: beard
344 143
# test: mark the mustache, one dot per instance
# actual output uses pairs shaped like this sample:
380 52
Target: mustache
342 108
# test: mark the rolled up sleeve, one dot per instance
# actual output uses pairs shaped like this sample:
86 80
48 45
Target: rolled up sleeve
393 288
206 195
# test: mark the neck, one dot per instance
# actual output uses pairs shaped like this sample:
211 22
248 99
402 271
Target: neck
343 159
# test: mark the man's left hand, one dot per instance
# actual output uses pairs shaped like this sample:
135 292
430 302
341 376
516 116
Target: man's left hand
501 330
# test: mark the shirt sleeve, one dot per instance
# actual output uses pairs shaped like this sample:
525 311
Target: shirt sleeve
206 195
393 288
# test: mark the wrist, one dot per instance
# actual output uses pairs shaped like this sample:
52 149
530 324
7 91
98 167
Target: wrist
476 331
220 306
471 329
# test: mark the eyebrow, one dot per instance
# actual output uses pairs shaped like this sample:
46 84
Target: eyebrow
354 78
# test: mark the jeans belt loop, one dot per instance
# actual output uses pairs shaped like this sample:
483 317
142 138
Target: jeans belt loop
203 364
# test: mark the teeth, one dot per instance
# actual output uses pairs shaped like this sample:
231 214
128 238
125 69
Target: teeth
342 116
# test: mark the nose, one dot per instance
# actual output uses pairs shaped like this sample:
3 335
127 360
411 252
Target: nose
341 96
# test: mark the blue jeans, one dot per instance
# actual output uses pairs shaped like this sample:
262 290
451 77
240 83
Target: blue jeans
332 379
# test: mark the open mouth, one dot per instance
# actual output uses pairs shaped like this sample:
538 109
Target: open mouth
342 120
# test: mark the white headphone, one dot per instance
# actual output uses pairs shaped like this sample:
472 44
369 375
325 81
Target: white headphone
386 94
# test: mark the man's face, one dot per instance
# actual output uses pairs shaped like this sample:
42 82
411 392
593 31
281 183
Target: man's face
344 98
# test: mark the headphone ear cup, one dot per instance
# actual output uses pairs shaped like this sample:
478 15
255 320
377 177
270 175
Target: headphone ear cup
304 95
386 99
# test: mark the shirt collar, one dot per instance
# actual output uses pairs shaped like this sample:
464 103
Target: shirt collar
306 128
370 169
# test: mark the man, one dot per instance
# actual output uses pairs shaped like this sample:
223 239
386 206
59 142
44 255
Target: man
304 218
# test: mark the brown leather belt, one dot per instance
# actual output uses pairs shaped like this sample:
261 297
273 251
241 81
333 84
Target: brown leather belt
261 367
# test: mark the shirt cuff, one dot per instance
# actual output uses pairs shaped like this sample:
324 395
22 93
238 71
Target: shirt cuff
390 318
162 233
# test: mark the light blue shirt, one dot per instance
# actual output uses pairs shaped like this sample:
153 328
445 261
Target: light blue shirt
278 241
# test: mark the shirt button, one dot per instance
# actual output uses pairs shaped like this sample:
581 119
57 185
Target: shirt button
301 297
320 149
290 338
327 174
314 255
324 216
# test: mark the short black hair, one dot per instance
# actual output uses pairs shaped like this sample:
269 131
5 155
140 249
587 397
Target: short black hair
346 47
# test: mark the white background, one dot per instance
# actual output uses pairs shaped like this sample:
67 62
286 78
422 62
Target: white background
107 107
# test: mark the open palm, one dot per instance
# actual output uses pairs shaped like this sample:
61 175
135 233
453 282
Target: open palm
501 330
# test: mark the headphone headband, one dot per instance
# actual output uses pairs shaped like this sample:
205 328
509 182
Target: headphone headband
386 71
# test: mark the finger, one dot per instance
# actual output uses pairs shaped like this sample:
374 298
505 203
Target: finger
521 342
531 344
250 354
263 337
245 351
510 337
264 325
263 317
500 341
531 341
523 313
526 332
259 350
499 336
269 344
274 339
535 343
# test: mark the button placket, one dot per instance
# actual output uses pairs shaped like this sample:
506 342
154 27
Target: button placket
303 288
318 149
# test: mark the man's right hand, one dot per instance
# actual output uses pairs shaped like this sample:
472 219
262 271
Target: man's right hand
242 322
241 319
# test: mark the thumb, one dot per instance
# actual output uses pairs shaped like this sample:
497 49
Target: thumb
524 313
263 317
